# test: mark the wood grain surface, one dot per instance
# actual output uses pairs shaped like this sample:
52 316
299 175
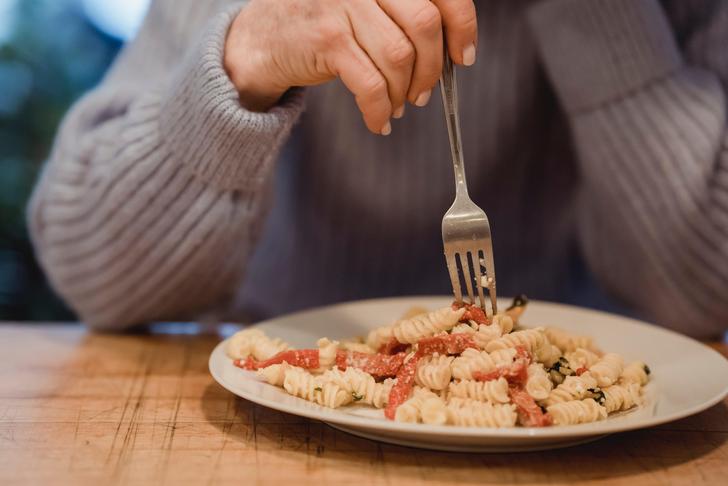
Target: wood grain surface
82 408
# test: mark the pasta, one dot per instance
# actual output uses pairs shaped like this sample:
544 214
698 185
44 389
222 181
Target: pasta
538 384
635 372
425 407
495 391
412 330
581 358
577 412
362 386
471 361
573 388
531 339
380 336
434 372
252 342
566 341
351 345
300 383
327 354
474 413
618 398
454 366
608 369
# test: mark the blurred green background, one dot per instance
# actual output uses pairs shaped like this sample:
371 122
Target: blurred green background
51 52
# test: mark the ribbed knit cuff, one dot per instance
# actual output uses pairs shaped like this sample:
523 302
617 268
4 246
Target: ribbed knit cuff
597 51
208 130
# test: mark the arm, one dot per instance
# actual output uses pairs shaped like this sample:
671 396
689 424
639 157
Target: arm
649 126
151 201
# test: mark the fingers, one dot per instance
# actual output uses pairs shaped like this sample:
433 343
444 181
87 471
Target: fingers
461 29
367 83
421 22
386 44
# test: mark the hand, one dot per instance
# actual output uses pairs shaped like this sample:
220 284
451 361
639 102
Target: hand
385 51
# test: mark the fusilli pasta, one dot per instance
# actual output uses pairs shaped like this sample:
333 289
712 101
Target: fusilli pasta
424 325
453 366
635 372
253 342
538 384
434 372
577 412
608 369
474 413
495 391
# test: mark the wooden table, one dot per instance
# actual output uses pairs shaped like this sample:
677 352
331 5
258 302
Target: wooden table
82 408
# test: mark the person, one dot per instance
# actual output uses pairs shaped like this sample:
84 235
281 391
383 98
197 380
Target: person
192 181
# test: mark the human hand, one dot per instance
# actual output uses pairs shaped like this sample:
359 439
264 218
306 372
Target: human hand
386 52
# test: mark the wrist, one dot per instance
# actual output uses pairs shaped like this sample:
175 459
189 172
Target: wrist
247 68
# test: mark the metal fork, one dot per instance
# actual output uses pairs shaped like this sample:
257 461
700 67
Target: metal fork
465 228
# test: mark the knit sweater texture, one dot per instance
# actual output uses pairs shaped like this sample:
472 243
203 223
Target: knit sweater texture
594 134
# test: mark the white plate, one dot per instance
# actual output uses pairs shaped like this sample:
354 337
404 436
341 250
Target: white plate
687 376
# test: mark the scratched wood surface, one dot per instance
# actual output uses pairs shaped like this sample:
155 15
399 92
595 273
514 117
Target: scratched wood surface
80 408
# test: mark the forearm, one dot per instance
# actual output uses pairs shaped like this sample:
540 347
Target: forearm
148 207
649 133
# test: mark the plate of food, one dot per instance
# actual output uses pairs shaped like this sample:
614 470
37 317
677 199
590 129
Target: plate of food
424 372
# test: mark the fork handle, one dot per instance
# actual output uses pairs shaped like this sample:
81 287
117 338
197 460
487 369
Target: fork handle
449 90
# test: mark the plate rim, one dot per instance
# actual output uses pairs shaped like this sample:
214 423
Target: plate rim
317 412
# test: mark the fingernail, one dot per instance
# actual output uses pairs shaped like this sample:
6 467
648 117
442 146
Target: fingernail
387 129
423 98
469 55
398 113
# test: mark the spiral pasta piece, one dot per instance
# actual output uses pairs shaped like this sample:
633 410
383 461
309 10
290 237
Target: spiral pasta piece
274 374
608 369
379 336
486 334
573 388
548 354
361 385
434 372
635 372
253 342
424 406
538 384
300 383
531 339
503 322
495 391
462 328
618 397
567 341
350 345
474 413
425 325
472 360
577 412
581 358
327 355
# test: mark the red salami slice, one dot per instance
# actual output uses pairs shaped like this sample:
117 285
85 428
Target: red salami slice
377 365
445 344
304 358
472 313
529 413
402 388
393 347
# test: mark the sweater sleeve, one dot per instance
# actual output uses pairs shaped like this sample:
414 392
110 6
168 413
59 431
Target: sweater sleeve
649 128
153 196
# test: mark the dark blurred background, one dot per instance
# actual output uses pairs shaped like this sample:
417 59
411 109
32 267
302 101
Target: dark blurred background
51 52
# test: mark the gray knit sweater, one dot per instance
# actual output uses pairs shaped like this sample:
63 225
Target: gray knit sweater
594 135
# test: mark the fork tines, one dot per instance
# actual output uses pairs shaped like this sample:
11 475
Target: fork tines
478 272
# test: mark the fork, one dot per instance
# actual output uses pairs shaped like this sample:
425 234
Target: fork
465 228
